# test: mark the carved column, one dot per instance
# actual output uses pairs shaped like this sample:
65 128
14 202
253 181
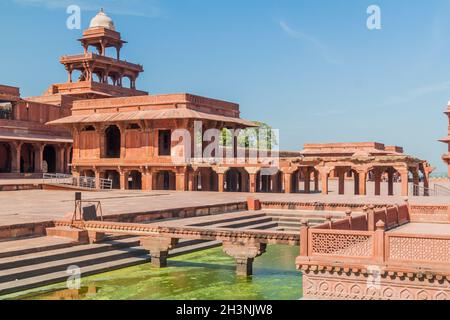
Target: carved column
147 180
98 176
404 173
252 172
181 183
316 181
159 248
362 182
308 180
287 182
60 151
123 180
221 178
244 255
324 175
15 164
377 175
390 182
341 176
38 157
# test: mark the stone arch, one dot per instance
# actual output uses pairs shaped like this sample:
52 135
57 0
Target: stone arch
27 158
134 180
112 142
165 180
205 179
114 176
6 157
49 159
236 179
267 181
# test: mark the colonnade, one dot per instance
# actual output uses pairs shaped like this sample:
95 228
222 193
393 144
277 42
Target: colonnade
20 157
301 179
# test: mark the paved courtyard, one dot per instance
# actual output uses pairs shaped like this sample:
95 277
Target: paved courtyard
38 205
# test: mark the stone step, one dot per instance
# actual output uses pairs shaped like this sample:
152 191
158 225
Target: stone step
65 253
244 222
263 226
13 248
29 271
202 245
289 224
215 221
61 276
184 247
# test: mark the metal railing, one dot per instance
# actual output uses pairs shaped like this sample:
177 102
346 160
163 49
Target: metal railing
82 181
436 191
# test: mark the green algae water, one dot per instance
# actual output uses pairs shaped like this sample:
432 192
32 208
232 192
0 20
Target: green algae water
205 275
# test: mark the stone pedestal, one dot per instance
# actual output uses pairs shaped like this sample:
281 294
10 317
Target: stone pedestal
244 254
77 235
159 248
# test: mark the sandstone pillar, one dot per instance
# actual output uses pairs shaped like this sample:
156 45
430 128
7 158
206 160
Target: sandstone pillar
378 174
191 181
316 181
341 176
38 157
97 179
405 180
15 165
390 182
308 180
304 231
60 159
147 180
426 183
123 180
356 180
416 183
252 182
181 184
159 248
287 182
324 175
221 177
244 255
362 183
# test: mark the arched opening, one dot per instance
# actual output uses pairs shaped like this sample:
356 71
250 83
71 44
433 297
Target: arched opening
114 176
165 180
112 142
233 181
269 182
135 180
126 82
27 158
205 179
49 164
5 158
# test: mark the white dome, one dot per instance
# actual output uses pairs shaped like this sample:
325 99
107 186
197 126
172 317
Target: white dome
101 20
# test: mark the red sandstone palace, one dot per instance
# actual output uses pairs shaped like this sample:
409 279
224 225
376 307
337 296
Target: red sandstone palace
126 135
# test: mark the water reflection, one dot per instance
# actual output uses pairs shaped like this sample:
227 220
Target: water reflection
206 275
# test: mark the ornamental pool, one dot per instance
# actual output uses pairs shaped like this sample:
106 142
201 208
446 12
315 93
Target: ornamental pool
205 275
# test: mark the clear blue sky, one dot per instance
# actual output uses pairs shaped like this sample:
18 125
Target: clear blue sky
309 68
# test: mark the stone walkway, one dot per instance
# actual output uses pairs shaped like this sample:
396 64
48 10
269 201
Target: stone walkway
19 207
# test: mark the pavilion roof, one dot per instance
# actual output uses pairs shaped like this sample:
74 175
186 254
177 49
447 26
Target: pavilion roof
149 115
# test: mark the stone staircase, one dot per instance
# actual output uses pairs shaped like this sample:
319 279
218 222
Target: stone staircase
32 268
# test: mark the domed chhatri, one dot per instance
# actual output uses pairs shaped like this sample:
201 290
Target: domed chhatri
101 20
